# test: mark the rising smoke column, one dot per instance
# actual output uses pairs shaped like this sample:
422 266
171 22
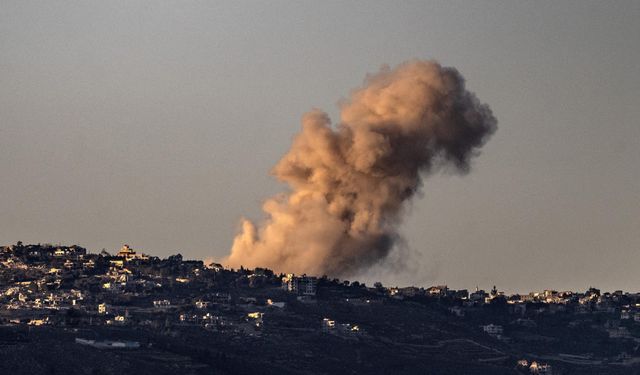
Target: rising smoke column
349 184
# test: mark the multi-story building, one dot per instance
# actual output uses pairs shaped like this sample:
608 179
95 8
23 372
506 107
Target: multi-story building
303 285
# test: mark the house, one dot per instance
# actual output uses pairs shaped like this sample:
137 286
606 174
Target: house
625 314
410 291
437 291
328 325
202 304
494 330
220 298
128 254
342 329
102 308
38 322
522 322
527 298
461 294
256 317
160 304
478 296
619 333
540 368
216 267
348 329
457 311
549 295
119 263
271 303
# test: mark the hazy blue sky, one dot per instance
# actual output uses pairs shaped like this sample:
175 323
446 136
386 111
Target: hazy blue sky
156 124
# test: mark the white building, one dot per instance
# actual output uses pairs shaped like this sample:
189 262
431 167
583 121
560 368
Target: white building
128 254
102 308
202 304
161 303
493 329
304 285
328 325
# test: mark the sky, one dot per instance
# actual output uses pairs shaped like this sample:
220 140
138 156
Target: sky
156 124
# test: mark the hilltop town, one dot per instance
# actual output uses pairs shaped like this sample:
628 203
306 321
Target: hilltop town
66 310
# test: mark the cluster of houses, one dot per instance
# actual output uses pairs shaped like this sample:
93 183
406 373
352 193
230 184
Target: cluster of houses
44 285
592 297
340 329
62 285
626 305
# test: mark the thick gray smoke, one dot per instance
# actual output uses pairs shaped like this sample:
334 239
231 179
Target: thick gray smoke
349 183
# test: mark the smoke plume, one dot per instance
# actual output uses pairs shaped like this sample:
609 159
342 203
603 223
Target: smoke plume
349 184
